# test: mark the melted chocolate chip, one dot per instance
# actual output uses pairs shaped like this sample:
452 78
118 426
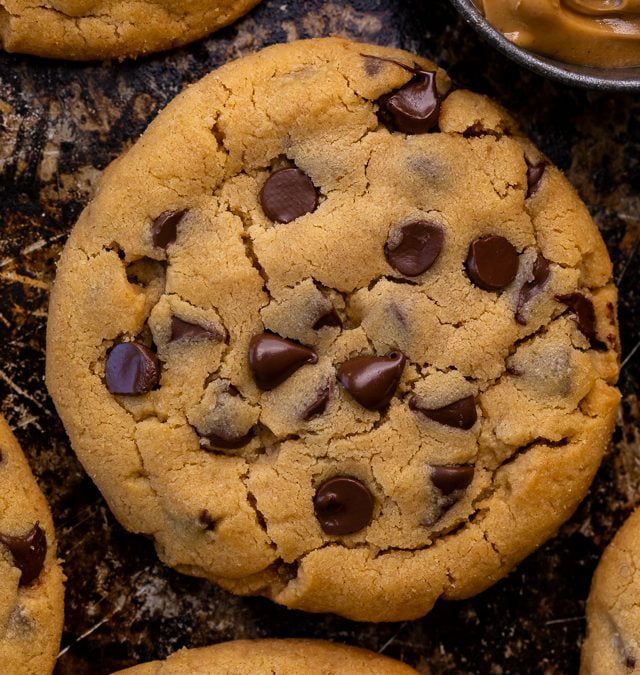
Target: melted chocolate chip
229 442
183 330
273 359
164 228
492 262
531 288
452 477
330 318
28 552
131 368
585 317
372 380
318 405
343 505
207 521
413 108
413 248
461 414
534 175
288 194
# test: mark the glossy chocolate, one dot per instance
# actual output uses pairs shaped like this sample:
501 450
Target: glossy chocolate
273 359
461 414
131 368
343 505
372 380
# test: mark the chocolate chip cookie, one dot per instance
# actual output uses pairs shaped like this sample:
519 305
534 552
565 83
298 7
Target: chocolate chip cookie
613 611
31 590
103 29
273 657
336 333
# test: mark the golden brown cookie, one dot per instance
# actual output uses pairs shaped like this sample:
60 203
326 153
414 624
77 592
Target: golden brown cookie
273 657
612 646
31 581
335 333
103 29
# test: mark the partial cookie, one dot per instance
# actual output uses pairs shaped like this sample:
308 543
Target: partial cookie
31 581
103 29
335 333
273 657
613 611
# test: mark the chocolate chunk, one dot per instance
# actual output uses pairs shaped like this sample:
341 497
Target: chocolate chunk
531 288
452 477
131 368
318 405
28 552
492 262
585 317
372 380
534 175
414 247
273 359
330 318
164 228
288 194
343 505
414 108
461 414
183 330
229 442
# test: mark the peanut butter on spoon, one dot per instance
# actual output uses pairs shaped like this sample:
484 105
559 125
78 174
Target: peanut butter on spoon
589 32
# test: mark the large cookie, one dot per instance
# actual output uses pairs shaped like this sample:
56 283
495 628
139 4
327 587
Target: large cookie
613 611
31 581
273 657
335 333
101 29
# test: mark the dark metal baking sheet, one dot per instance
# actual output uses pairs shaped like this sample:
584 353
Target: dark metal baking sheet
61 123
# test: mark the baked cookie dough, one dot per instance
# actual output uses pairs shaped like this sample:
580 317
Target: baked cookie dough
613 610
31 581
336 333
273 657
102 29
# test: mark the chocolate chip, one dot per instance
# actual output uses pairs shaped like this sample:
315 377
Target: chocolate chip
343 505
492 262
207 521
28 552
131 368
330 318
452 477
585 317
414 247
372 380
413 108
164 228
273 359
318 405
229 442
534 175
461 414
288 194
183 330
531 288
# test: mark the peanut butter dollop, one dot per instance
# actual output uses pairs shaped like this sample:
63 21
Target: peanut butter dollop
590 32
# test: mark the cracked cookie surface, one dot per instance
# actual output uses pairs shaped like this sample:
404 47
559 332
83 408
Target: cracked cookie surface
336 333
103 29
273 657
31 581
613 611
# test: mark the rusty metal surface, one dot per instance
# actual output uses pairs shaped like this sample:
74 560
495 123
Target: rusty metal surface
60 124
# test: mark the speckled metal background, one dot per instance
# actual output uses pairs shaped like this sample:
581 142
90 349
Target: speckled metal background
61 124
